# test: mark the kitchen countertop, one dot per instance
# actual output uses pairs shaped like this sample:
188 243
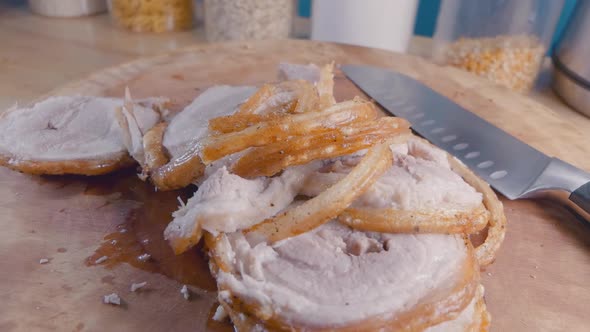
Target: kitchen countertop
38 54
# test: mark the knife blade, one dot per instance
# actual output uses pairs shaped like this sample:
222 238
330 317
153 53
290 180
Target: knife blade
511 166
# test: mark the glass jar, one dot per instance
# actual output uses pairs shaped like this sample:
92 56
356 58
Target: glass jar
502 40
152 15
248 19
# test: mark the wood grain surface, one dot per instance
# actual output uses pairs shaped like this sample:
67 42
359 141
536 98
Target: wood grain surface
539 281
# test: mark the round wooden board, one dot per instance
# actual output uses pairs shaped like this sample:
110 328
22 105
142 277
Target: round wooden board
538 283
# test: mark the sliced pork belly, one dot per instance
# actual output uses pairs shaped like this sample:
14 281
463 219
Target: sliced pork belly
68 135
420 179
335 276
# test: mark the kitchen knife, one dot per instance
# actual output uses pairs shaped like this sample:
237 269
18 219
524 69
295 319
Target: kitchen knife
512 167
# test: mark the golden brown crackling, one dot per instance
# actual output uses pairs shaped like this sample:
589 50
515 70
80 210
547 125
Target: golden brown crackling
403 221
179 172
270 159
345 113
305 98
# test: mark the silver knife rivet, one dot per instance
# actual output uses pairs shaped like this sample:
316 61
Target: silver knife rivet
472 154
485 164
498 174
427 123
460 146
437 130
449 138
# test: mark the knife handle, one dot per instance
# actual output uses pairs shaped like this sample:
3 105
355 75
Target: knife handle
560 178
581 197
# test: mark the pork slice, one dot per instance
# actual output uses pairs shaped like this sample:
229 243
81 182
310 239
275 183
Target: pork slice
335 276
68 129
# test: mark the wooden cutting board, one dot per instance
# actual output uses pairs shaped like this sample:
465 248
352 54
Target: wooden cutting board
539 282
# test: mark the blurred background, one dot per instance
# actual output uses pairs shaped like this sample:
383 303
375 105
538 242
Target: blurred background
510 42
427 13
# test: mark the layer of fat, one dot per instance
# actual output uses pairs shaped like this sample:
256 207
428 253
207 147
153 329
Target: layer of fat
335 276
68 128
191 124
420 179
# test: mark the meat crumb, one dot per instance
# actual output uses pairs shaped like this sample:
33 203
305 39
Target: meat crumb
113 299
100 260
136 286
220 314
144 257
186 293
43 261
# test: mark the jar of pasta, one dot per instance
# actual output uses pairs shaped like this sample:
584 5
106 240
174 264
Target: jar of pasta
502 40
152 15
248 19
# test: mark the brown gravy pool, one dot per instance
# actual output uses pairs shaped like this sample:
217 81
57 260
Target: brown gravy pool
142 233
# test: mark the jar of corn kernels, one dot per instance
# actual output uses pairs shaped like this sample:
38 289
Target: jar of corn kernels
248 19
152 15
502 40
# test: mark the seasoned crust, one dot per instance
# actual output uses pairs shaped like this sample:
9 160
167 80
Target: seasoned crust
402 221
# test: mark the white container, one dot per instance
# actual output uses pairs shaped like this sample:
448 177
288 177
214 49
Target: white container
67 8
385 24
